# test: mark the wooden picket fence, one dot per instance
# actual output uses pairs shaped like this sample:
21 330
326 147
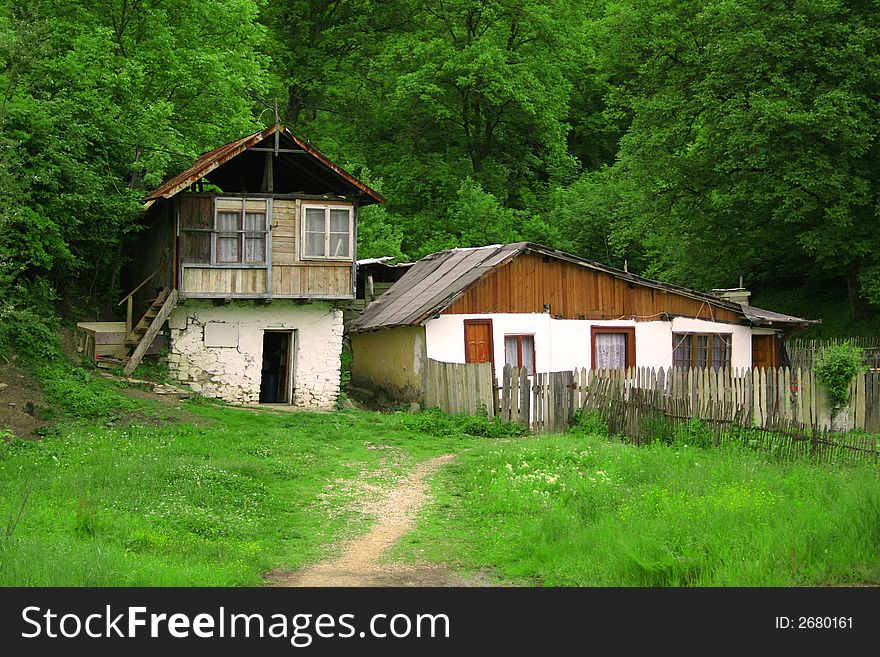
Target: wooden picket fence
803 353
646 416
780 409
461 388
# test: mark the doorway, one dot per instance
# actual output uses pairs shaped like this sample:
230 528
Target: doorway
276 382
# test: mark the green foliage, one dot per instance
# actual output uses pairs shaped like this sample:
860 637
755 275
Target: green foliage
835 368
589 424
28 334
435 422
80 394
582 511
693 432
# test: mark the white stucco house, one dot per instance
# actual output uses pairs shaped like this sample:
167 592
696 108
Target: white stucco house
545 310
248 258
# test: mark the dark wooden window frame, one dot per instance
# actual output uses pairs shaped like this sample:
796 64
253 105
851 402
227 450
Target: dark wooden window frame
519 356
709 348
214 234
242 234
469 322
630 333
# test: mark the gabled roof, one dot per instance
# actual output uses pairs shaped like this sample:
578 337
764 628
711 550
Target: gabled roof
212 160
436 281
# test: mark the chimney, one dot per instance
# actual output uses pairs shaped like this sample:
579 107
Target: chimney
734 294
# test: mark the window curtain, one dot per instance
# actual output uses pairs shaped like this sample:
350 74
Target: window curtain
528 353
511 351
314 232
610 351
227 243
255 244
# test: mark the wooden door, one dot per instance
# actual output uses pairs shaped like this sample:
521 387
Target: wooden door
478 341
765 351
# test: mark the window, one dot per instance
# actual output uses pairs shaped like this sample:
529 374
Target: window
519 351
240 231
701 350
613 347
327 232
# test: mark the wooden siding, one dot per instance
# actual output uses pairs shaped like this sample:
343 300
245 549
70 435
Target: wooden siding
285 235
224 282
291 276
304 280
528 283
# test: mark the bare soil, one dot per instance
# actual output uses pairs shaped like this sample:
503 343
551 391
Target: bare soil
359 564
23 408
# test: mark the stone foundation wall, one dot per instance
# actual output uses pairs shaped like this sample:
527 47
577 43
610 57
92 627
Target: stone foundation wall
218 350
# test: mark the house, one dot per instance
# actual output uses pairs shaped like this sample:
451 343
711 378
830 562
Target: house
545 310
250 256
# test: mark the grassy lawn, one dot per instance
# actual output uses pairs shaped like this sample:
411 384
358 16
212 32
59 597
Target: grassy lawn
129 491
217 500
580 510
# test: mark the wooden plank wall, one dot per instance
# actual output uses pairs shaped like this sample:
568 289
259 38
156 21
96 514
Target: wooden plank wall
291 276
303 280
528 283
224 282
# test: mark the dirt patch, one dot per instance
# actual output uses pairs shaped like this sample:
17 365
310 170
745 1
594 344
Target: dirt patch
359 564
23 408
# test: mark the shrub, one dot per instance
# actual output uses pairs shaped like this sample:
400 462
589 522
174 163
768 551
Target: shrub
589 424
835 367
693 432
437 423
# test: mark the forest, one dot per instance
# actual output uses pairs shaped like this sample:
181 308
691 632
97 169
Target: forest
696 141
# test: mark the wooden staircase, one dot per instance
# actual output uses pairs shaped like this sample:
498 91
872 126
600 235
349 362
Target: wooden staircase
143 334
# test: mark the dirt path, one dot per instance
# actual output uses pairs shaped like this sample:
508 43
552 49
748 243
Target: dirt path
359 564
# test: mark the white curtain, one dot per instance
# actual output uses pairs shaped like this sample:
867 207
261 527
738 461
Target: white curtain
610 351
227 243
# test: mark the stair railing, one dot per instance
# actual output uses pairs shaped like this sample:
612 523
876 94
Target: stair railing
128 298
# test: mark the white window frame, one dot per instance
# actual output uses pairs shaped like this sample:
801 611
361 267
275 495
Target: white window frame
326 207
242 234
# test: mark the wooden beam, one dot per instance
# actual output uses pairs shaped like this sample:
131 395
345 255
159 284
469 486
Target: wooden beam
280 150
147 340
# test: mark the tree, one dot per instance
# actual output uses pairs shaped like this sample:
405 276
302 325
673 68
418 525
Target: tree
101 101
753 143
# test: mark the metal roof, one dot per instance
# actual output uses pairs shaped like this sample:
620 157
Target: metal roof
212 160
436 281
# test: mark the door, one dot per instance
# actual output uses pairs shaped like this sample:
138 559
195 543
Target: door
478 341
765 351
277 380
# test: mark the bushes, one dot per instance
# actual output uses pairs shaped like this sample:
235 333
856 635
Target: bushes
437 423
835 368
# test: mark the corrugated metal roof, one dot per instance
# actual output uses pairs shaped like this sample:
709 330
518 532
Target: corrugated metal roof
435 282
211 160
761 316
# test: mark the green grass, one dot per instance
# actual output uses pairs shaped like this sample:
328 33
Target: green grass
121 493
580 510
112 500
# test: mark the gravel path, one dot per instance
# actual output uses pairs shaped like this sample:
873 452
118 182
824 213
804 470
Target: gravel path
359 565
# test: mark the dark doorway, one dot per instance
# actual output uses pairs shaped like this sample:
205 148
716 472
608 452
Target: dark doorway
277 380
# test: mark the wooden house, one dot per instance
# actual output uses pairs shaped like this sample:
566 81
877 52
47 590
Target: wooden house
545 310
249 257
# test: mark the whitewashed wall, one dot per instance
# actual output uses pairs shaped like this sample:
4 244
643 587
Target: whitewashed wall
232 372
562 344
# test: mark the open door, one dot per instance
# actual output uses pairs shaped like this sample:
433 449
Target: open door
277 382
